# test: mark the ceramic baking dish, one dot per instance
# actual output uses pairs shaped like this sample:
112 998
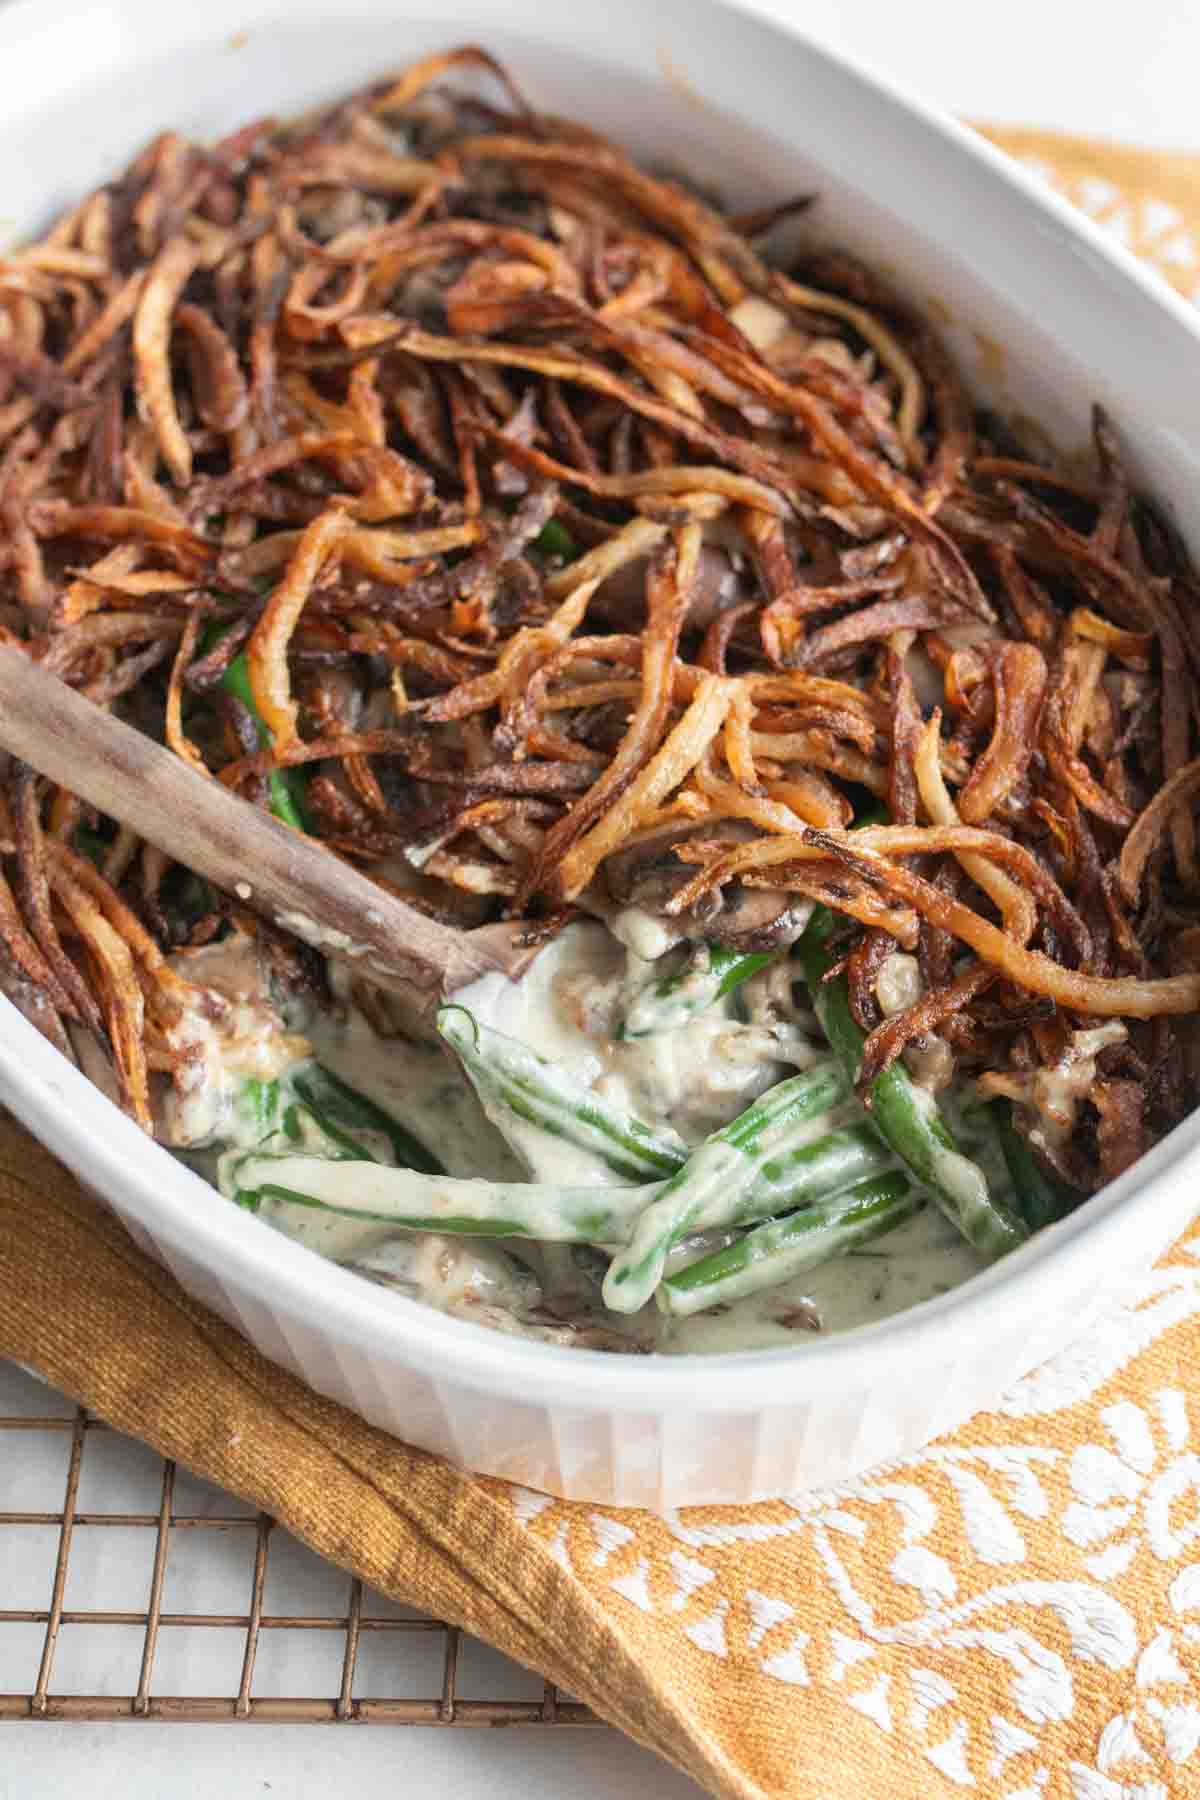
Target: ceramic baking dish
1045 317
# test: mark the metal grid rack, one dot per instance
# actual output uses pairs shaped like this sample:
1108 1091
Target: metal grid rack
377 1645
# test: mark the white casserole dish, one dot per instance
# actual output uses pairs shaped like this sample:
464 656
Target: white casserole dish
1004 265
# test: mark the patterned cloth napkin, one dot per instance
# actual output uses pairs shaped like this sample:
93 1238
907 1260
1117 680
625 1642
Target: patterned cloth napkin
1015 1611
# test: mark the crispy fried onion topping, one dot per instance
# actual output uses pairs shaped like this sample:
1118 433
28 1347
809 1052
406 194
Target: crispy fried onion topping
491 508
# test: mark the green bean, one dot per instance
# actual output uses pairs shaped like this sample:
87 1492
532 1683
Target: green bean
557 1215
710 972
92 844
296 1130
905 1116
414 1202
1041 1200
787 1247
323 1117
329 1098
508 1075
555 540
317 1135
714 1179
285 787
258 1105
815 1167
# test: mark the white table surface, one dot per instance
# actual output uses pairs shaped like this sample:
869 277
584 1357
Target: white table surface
1119 72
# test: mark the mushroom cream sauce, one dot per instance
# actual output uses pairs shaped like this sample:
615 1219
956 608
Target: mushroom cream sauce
694 1079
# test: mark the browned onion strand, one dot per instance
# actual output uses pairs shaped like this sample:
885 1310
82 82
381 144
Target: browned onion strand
320 399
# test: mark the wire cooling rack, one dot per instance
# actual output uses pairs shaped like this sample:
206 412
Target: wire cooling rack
103 1611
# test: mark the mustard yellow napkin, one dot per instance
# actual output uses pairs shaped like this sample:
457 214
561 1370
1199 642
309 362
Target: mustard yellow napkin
1015 1612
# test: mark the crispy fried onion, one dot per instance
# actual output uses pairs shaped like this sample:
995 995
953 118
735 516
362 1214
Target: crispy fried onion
1030 969
681 750
121 995
1016 905
668 593
425 469
34 888
1019 682
165 282
889 1039
1121 1136
266 651
1148 827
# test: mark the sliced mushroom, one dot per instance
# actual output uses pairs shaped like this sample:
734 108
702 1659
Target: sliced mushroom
758 919
621 600
649 873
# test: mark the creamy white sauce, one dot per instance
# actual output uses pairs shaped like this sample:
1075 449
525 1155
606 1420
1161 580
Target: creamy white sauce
331 1236
643 933
420 1084
567 1008
1057 1092
695 1079
1054 1095
898 983
922 1258
929 1059
233 1034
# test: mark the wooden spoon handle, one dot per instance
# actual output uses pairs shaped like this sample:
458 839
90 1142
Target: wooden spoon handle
287 877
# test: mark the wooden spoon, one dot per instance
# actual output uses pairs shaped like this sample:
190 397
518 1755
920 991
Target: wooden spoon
285 876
